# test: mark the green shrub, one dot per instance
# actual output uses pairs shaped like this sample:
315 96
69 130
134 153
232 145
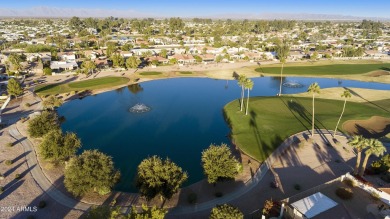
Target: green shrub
192 198
349 182
18 176
42 204
9 144
218 194
344 193
1 189
297 187
27 104
8 162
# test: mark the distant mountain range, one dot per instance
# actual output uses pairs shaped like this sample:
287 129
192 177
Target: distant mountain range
55 12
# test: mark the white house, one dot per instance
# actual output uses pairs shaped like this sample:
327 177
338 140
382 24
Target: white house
63 65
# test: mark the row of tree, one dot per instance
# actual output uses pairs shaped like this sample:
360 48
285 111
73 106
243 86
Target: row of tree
225 211
370 147
93 171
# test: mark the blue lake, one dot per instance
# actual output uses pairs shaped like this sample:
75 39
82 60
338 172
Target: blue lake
186 117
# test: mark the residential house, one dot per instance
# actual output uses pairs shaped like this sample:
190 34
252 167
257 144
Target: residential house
59 66
296 55
67 56
160 59
183 58
207 58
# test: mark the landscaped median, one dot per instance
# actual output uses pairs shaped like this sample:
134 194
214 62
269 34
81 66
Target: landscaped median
272 119
91 84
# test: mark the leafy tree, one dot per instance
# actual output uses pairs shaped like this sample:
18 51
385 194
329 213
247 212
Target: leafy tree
51 102
219 164
103 212
282 50
248 85
47 71
118 60
16 61
59 147
111 48
163 53
89 66
375 147
226 211
198 59
42 124
92 171
346 94
127 47
314 56
14 88
314 88
132 62
75 23
218 59
147 213
159 177
173 61
359 143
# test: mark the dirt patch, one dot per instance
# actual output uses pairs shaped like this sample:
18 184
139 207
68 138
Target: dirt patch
378 73
374 127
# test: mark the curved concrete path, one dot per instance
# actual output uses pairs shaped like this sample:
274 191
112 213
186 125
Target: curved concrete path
67 201
40 177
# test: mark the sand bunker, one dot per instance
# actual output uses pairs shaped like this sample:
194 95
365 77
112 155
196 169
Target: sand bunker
378 73
375 127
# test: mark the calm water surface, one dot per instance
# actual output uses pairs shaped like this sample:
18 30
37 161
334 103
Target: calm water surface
186 117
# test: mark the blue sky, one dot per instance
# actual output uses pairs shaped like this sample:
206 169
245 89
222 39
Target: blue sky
373 8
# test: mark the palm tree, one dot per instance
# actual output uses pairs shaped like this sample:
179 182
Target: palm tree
282 50
241 83
346 94
313 89
359 143
376 148
248 85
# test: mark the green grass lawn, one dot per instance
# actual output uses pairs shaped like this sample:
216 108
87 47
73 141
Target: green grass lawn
150 73
273 119
185 72
336 69
92 84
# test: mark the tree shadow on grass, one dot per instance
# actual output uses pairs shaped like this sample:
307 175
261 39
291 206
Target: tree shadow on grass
384 68
370 102
297 108
360 130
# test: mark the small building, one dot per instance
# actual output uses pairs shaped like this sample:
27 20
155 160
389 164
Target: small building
311 206
184 58
59 66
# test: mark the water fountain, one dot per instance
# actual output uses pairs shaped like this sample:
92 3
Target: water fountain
139 108
292 84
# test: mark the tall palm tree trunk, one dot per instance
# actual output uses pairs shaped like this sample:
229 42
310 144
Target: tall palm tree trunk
281 81
242 97
342 112
359 157
247 104
312 120
363 168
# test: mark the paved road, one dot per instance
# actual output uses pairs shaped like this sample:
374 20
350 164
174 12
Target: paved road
40 178
64 200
